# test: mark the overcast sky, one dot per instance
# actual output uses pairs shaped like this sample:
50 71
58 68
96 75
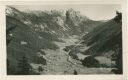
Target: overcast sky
93 11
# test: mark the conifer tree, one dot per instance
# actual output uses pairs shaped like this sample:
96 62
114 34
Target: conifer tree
24 66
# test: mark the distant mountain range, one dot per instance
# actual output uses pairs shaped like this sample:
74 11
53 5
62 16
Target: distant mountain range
59 23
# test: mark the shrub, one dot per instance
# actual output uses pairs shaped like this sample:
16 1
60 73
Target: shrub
90 61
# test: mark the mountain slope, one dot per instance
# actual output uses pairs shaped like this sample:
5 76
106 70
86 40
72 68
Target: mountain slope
58 23
106 40
41 36
104 37
24 43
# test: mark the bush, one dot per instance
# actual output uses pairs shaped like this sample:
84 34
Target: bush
90 62
25 67
40 69
67 48
40 60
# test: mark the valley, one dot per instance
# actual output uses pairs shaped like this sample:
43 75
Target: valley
62 42
58 64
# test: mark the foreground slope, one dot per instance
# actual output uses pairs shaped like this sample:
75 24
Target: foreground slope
24 42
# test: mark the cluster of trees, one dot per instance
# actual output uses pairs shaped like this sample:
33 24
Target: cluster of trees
23 65
117 57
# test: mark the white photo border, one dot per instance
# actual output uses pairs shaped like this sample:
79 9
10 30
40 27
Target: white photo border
4 76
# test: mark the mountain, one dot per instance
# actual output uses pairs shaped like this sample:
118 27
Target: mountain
101 45
106 40
31 33
24 42
89 25
79 24
104 36
58 23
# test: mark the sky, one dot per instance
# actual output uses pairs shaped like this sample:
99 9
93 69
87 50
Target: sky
93 11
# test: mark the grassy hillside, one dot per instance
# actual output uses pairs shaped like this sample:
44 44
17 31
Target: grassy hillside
104 37
24 42
106 40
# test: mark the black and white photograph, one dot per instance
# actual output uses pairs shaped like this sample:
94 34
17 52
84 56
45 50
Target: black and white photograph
64 39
